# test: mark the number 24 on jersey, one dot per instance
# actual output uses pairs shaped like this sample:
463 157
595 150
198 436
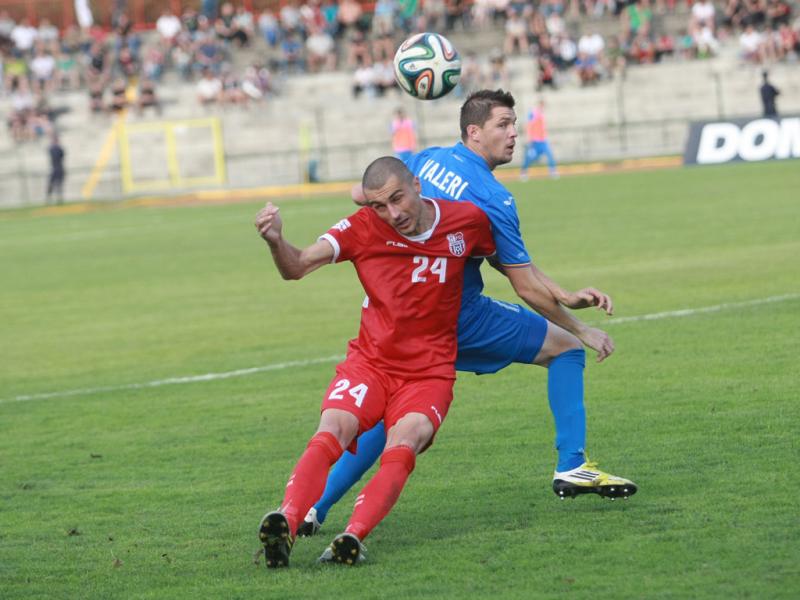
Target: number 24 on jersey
437 268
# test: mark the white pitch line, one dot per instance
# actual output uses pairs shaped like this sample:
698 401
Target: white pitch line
687 312
176 380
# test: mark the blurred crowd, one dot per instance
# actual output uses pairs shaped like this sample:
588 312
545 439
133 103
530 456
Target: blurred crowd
121 68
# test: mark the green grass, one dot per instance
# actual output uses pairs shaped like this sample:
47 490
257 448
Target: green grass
156 492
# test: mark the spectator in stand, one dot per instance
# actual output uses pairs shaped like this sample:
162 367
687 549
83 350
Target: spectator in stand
404 135
616 62
703 15
209 54
7 24
127 65
788 41
456 12
363 80
290 18
432 15
705 44
482 13
98 67
24 36
22 105
471 75
119 95
516 39
383 76
407 15
587 67
190 22
153 62
232 89
227 27
320 51
350 13
383 17
497 75
252 84
269 27
43 68
292 52
183 58
636 22
209 8
96 91
67 76
47 33
245 22
751 45
168 26
147 97
567 52
358 48
209 88
330 16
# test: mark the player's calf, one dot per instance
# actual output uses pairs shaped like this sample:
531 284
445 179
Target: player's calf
276 537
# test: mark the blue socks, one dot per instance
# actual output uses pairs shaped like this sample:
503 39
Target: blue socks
350 467
565 393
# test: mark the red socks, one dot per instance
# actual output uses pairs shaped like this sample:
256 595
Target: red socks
307 481
380 494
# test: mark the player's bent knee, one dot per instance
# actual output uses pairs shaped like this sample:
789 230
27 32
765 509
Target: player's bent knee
556 342
340 423
413 430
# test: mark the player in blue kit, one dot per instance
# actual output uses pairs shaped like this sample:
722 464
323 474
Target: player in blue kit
493 334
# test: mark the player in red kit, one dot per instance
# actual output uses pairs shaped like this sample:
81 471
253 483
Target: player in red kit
409 253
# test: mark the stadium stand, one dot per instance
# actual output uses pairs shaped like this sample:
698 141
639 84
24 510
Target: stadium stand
622 80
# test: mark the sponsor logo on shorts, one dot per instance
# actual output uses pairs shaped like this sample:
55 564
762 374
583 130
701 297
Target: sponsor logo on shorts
438 416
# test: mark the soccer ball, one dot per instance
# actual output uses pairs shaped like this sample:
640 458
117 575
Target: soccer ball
427 66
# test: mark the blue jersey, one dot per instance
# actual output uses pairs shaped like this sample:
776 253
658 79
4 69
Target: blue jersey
457 173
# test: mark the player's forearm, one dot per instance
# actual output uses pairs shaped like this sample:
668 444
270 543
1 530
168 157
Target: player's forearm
541 299
559 294
287 258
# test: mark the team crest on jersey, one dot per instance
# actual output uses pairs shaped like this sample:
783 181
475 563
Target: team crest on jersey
457 244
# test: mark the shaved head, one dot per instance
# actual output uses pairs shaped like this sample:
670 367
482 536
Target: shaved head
381 170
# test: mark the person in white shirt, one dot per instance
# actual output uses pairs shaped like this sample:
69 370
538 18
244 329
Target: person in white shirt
168 26
24 36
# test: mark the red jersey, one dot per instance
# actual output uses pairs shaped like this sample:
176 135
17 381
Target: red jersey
413 284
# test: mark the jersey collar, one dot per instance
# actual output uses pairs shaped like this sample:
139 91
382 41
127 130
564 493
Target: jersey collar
425 235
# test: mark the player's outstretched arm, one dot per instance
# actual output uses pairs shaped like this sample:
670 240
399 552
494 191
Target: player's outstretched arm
292 262
541 299
583 298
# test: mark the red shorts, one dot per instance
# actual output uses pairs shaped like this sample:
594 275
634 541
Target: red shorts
371 395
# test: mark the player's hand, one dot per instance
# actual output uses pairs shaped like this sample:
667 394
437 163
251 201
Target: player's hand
599 341
269 223
590 297
357 194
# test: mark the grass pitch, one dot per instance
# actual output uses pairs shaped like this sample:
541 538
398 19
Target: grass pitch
114 486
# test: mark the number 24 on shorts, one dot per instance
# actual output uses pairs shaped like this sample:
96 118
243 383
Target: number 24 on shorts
358 392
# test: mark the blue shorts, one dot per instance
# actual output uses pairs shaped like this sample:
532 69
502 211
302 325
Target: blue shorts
493 334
